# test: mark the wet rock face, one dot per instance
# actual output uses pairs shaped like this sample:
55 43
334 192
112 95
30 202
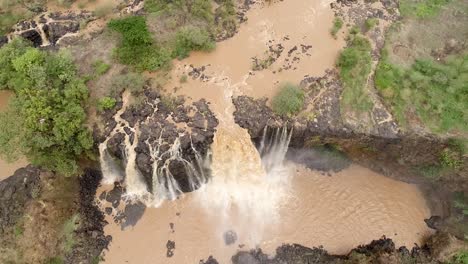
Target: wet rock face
161 123
15 192
49 28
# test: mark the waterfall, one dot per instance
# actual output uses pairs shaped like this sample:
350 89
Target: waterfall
245 181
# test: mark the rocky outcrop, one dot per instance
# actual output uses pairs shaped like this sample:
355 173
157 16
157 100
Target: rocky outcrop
378 251
15 192
90 238
50 28
160 122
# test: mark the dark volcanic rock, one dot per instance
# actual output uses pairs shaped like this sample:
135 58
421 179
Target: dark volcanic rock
378 251
164 130
33 36
15 192
90 237
230 237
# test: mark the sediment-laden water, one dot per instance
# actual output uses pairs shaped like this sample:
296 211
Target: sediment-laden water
256 197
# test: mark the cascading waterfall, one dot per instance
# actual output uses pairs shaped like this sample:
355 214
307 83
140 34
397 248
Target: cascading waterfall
246 183
164 185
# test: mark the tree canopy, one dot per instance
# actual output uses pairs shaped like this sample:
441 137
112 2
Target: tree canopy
45 120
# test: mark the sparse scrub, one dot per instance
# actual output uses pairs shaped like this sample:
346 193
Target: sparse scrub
460 258
191 38
289 100
355 66
183 79
435 91
421 9
137 48
104 9
337 25
68 233
133 82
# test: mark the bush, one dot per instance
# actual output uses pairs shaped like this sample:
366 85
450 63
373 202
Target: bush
337 25
354 63
45 120
460 258
106 103
100 67
371 23
191 38
421 9
289 100
137 48
434 91
134 82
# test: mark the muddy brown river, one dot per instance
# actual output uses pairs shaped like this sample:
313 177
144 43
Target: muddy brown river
266 208
7 169
340 212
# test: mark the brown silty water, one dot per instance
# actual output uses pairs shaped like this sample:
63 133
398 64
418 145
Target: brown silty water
282 202
6 168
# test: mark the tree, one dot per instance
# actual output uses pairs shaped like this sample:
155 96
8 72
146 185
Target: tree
45 120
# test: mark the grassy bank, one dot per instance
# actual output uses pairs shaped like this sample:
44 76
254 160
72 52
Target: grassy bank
354 64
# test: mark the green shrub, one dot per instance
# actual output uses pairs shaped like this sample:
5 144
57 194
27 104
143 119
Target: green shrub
45 120
434 91
55 260
354 64
337 25
106 103
371 23
421 9
183 79
68 233
134 82
460 258
137 48
100 67
289 100
191 38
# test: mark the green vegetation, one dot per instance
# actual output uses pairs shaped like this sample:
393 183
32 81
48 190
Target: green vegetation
195 8
191 38
289 100
183 78
370 23
137 48
421 9
55 260
68 232
435 91
354 64
337 25
133 82
11 12
106 103
45 120
460 258
100 67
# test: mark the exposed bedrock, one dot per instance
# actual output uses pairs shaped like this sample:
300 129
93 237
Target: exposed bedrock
160 122
395 155
378 251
